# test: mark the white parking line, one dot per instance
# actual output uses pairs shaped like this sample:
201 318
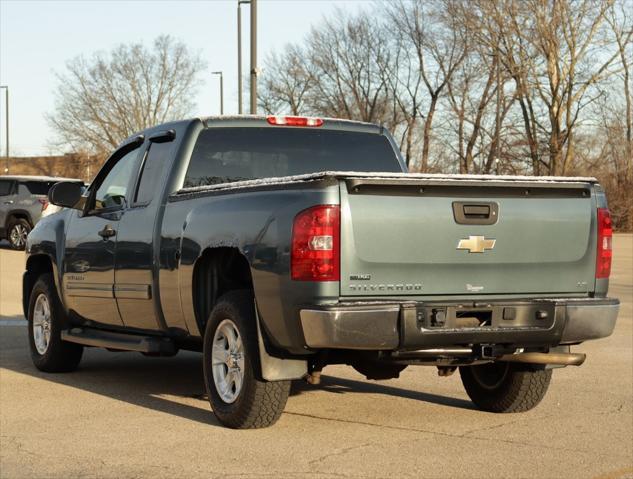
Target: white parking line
13 322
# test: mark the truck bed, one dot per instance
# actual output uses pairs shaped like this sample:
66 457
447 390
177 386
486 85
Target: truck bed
400 234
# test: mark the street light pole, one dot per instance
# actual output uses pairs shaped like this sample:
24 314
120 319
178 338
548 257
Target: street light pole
239 54
6 109
253 57
221 91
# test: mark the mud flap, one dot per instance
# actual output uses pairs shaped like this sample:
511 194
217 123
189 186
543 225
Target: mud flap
276 369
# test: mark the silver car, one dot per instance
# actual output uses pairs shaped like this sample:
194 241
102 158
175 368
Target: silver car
22 201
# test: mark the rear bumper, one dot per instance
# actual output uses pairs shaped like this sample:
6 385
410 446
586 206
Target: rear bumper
413 325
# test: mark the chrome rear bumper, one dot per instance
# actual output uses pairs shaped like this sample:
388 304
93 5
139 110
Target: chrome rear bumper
394 326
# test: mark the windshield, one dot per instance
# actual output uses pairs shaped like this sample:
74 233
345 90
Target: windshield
224 155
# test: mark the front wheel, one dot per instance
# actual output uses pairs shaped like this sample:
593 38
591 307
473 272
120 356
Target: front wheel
239 396
505 387
46 321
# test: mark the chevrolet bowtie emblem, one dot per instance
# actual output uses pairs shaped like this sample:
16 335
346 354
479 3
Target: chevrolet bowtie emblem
476 244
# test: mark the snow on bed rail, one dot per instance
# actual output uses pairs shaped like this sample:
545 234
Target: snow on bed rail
434 177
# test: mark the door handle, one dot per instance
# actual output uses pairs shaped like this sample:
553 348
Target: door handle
107 232
8 202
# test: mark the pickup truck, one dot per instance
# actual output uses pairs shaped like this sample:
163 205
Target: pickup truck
278 245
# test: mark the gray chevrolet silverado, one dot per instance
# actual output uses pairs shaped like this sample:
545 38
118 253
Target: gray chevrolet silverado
279 245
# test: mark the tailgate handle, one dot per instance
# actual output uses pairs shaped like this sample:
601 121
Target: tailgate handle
475 213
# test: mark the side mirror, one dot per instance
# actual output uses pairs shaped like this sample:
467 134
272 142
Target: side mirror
66 194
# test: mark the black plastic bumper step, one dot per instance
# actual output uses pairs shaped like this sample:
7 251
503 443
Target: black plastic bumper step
123 341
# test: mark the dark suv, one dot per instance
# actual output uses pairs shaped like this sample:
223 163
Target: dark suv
22 200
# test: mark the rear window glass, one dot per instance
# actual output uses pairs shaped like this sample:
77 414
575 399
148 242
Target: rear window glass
39 187
5 187
224 155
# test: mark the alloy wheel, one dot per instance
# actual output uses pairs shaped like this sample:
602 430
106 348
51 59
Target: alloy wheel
42 324
18 235
227 358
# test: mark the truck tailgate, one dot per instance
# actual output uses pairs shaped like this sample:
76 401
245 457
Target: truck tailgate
413 237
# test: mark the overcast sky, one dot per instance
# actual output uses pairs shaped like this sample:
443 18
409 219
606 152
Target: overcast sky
38 37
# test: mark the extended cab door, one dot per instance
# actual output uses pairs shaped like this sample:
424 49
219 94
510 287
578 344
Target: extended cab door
134 288
88 274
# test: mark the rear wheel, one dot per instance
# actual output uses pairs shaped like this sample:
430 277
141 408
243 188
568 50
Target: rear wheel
505 387
239 396
46 321
19 229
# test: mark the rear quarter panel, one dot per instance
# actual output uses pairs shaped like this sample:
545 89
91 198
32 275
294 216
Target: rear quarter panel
259 224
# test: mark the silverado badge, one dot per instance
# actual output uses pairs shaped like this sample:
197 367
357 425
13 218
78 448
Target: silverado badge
476 244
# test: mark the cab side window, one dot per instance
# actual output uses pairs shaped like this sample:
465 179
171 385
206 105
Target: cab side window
152 172
113 191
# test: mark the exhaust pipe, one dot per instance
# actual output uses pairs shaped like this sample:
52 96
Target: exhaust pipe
560 359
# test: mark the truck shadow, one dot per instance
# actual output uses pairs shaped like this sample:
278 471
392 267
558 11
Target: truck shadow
336 385
174 385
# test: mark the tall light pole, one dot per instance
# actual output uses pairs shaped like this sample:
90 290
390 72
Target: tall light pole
6 126
239 54
254 57
221 91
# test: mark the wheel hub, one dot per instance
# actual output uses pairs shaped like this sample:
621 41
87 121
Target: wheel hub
18 236
41 324
227 357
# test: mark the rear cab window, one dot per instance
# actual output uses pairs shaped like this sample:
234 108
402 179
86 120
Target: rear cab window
227 154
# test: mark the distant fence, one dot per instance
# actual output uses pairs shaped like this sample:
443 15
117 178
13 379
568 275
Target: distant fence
72 165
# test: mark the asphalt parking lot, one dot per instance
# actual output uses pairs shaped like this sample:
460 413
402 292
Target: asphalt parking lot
125 415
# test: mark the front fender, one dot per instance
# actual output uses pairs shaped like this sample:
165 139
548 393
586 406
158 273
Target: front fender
46 240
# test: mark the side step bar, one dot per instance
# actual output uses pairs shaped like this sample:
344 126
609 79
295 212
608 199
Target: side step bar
122 341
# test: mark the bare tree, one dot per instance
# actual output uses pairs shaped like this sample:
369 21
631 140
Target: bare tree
620 21
493 27
433 34
337 72
287 81
102 100
566 35
542 85
471 92
347 54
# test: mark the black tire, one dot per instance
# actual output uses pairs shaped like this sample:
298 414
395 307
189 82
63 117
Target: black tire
505 387
17 232
58 356
258 403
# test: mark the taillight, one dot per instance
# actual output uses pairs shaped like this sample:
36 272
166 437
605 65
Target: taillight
604 253
316 236
44 203
294 121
